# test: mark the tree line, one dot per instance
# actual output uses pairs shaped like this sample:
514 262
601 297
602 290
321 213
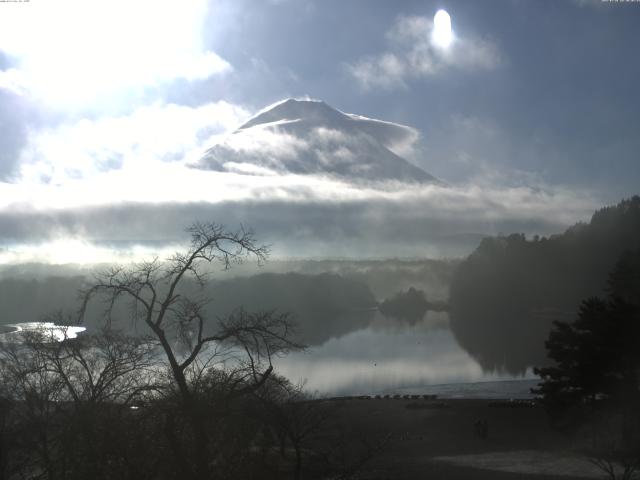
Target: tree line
506 295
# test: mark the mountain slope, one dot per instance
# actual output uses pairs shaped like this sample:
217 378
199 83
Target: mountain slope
310 137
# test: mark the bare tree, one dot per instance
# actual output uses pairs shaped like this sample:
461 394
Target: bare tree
241 346
31 393
295 418
615 455
70 402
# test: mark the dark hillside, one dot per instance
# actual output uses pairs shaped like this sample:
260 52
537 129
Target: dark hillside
506 294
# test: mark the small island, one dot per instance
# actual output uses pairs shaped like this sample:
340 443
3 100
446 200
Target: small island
410 305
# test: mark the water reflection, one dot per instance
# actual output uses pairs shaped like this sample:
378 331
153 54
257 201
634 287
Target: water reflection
46 331
352 354
385 356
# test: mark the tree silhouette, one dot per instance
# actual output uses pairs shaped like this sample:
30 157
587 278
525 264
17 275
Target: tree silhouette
192 395
69 404
595 378
198 348
410 305
595 357
506 294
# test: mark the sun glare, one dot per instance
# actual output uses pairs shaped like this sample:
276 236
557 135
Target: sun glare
442 34
73 52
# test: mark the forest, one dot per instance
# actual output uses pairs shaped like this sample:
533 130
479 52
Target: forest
507 293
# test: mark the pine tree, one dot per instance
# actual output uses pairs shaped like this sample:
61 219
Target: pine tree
597 357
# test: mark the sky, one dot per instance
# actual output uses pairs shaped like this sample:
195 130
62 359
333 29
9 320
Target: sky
528 115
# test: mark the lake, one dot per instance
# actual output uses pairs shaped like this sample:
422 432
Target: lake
377 357
395 356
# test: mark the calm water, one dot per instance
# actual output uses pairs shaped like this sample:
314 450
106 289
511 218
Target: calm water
392 356
380 356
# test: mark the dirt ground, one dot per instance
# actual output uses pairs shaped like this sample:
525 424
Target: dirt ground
438 440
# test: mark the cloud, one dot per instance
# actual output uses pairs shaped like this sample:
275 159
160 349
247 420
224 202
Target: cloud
279 147
84 86
150 134
393 136
412 54
400 139
13 131
125 215
271 145
385 71
589 3
14 81
482 150
280 151
308 136
116 188
78 53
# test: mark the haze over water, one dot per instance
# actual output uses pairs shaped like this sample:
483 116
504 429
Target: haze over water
388 356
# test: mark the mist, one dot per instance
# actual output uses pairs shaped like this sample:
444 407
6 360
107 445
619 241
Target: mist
319 239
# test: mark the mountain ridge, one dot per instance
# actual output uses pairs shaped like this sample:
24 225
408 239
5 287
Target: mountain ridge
309 137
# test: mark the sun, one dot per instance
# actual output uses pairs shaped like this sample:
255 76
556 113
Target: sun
442 35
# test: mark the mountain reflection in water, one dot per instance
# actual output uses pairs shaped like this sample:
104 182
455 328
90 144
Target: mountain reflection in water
386 356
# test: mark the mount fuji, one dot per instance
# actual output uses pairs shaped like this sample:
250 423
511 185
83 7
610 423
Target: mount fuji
309 137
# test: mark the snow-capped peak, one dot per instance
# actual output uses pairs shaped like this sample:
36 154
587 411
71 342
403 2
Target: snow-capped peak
311 137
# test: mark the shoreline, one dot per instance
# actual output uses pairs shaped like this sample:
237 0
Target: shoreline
507 389
439 441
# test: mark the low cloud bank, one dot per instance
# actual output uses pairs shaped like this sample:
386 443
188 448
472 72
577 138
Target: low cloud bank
300 215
